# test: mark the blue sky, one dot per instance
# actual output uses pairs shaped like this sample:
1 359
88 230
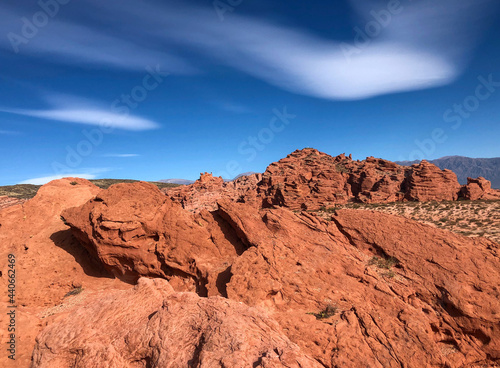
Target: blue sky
168 89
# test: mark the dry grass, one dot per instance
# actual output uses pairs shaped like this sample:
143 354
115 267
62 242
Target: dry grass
469 218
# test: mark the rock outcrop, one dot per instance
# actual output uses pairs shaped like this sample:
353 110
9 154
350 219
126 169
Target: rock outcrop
135 230
152 326
479 188
364 288
309 179
237 275
204 193
49 261
427 182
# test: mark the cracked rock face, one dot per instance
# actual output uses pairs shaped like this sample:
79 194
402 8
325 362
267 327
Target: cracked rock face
160 328
363 289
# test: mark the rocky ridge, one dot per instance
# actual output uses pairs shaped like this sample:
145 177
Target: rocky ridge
363 287
309 179
239 274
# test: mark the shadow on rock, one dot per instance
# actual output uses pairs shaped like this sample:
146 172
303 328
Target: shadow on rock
66 241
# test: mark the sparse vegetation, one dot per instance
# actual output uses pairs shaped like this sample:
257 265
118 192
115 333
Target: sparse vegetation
341 168
20 191
469 218
28 191
328 312
75 291
386 263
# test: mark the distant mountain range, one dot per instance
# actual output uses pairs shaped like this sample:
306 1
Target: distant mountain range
177 181
187 182
464 167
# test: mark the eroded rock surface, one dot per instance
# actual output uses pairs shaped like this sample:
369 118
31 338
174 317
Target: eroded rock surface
135 230
152 326
309 179
207 190
6 202
49 261
364 288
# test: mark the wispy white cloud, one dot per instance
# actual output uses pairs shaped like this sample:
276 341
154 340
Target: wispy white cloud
427 44
9 132
94 116
91 173
46 179
121 155
82 111
67 41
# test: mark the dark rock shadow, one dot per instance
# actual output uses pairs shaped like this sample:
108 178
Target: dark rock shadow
65 240
222 280
229 233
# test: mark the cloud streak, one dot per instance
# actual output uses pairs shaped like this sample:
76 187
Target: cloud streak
9 132
89 174
122 155
425 45
46 179
80 111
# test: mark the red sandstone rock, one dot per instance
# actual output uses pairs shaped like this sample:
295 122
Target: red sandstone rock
429 183
436 306
152 326
135 230
205 192
309 179
479 188
48 261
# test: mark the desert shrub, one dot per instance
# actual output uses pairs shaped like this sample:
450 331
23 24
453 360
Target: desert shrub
75 291
328 312
386 263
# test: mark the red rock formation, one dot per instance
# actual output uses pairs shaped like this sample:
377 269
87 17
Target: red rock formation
134 229
152 326
429 299
308 180
436 306
427 182
205 192
479 188
49 261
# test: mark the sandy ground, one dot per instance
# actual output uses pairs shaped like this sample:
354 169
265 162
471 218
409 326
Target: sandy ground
470 218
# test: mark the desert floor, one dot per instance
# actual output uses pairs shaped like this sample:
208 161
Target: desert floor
470 218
